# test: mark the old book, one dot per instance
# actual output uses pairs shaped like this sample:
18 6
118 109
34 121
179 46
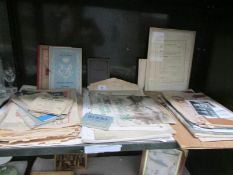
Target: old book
65 65
43 67
97 69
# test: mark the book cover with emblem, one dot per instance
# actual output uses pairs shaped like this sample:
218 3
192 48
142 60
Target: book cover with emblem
65 65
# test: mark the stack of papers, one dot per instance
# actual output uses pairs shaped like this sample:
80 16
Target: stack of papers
204 118
133 118
38 117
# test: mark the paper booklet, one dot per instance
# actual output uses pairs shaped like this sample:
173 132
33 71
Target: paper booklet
65 65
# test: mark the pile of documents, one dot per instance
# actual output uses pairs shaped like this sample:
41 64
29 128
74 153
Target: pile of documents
110 118
34 117
204 118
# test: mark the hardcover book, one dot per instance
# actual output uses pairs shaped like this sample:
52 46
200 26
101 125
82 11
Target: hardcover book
42 67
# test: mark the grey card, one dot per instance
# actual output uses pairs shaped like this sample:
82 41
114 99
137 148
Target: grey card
98 69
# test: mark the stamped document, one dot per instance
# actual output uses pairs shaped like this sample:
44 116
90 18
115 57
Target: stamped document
169 59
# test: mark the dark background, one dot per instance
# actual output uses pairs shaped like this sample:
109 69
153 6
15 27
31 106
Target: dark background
119 30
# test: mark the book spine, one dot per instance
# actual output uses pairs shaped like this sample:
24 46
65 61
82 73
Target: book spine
38 82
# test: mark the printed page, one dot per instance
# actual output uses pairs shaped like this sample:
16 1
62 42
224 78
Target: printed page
169 59
51 105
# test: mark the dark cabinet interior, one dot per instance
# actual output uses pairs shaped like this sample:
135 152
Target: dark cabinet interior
119 30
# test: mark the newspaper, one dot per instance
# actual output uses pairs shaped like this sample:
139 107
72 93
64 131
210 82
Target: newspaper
129 112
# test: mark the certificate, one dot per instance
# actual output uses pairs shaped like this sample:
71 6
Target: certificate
169 59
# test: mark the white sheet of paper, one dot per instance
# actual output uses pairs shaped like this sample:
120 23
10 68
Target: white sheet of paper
90 135
102 148
141 73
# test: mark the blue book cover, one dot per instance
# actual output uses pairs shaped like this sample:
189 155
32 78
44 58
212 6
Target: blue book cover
97 121
65 64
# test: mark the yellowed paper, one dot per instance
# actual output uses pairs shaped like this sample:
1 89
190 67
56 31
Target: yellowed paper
169 61
52 105
113 84
142 63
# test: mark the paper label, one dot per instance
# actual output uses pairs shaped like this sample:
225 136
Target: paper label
97 121
102 148
102 87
